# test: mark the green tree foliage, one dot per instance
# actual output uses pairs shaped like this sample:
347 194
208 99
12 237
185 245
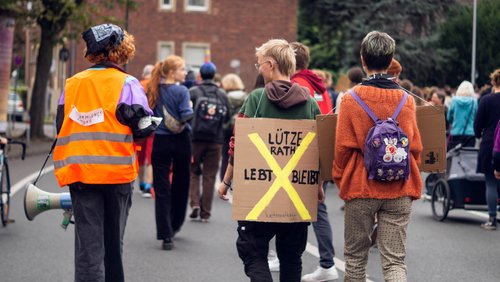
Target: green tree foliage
342 24
53 17
456 35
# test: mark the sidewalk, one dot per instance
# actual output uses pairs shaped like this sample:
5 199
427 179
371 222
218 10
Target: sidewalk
33 147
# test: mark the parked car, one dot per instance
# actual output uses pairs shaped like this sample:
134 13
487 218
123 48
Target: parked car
15 107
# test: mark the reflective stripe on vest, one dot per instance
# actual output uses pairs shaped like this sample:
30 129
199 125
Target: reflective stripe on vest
94 136
95 160
95 153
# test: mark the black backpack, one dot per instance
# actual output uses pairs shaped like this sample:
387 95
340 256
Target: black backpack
209 115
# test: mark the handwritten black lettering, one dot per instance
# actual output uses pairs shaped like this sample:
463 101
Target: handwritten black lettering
258 174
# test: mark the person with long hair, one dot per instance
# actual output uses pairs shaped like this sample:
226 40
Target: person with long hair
101 111
485 123
171 146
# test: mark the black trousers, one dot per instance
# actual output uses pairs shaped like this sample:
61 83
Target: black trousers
253 246
101 213
171 152
465 140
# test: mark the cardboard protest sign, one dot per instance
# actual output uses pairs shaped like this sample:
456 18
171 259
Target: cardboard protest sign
276 170
327 124
432 127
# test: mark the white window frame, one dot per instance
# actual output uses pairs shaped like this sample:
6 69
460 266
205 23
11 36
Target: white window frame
164 7
188 7
185 45
171 44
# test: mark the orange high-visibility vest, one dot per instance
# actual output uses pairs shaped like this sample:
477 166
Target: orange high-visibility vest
93 147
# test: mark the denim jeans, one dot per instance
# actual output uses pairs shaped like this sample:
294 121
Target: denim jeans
323 232
492 186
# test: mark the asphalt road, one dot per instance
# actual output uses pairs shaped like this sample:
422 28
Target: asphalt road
454 250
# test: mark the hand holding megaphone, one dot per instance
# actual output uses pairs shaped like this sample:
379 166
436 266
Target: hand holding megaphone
37 201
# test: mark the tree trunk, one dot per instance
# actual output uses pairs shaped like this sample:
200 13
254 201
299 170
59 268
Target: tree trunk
38 97
6 41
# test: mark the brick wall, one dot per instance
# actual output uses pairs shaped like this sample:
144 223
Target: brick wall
232 29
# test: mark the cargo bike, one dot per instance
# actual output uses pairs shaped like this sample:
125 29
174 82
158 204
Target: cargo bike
461 187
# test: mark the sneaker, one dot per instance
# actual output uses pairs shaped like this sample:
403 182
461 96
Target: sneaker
274 264
146 193
168 244
321 274
194 214
204 220
491 224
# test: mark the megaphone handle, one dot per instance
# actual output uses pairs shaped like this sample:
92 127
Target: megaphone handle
66 219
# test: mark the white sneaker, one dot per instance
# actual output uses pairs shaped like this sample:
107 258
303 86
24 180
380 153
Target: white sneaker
321 275
274 264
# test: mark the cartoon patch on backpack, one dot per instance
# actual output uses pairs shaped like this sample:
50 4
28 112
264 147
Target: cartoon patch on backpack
386 146
210 113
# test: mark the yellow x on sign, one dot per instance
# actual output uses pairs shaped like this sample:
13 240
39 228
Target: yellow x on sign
281 177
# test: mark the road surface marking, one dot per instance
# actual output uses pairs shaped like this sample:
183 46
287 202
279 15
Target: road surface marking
28 179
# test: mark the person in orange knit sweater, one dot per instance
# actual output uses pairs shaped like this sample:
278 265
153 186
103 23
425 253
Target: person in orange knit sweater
391 200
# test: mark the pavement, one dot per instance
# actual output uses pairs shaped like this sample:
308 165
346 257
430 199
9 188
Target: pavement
34 147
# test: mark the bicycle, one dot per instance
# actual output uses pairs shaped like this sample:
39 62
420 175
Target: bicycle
5 179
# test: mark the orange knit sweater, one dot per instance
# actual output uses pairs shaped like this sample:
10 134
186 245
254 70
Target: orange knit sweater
353 123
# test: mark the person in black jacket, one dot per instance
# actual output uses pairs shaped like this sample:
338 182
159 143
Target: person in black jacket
484 127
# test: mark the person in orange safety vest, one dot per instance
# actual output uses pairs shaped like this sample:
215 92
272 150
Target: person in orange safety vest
101 111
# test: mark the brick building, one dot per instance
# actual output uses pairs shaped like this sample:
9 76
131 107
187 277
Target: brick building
226 31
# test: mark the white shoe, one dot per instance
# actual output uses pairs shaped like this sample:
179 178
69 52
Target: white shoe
321 275
274 264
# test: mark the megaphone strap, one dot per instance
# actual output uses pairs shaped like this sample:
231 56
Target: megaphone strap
45 162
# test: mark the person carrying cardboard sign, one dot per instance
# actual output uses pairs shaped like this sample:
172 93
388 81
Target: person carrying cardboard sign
387 192
279 99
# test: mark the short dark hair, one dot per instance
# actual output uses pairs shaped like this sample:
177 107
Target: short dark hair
302 57
355 75
377 50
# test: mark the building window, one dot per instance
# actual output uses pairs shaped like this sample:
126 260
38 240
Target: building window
197 5
165 48
196 54
167 4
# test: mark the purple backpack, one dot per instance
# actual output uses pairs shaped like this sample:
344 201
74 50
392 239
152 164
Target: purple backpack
387 147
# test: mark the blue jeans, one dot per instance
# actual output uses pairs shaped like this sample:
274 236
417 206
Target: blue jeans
492 186
323 232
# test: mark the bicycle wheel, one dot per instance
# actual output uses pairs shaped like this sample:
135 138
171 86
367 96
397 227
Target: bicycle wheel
441 200
5 189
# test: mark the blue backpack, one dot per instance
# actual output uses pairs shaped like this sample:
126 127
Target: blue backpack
387 147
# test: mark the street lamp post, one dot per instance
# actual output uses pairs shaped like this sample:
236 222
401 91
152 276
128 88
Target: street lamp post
473 64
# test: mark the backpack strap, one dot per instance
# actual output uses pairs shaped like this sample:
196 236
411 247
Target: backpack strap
363 105
400 106
371 114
